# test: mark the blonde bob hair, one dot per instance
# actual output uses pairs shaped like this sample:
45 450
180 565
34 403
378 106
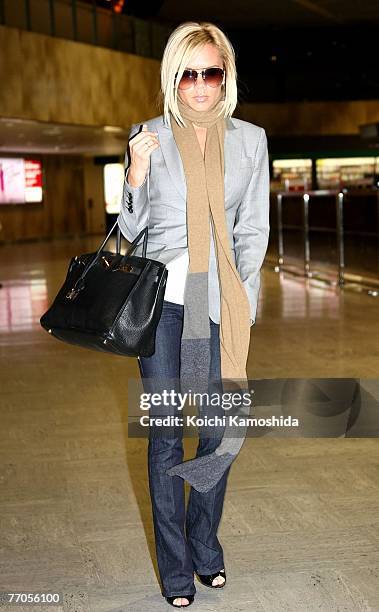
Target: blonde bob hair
186 39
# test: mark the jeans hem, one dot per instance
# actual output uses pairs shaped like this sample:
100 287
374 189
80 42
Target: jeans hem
175 594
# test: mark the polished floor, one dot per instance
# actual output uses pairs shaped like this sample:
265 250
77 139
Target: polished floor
300 526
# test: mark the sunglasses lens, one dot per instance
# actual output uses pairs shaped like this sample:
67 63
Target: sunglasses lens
213 77
187 80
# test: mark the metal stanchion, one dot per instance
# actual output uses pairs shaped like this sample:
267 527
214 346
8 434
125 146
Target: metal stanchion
280 230
370 286
307 255
340 238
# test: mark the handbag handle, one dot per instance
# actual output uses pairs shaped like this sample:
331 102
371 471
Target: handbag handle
79 284
136 240
133 245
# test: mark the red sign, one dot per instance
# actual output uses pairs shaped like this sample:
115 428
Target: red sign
33 173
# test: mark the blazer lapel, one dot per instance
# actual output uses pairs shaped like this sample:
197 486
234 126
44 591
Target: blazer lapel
232 156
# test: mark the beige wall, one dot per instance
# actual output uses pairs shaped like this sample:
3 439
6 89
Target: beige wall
311 118
51 79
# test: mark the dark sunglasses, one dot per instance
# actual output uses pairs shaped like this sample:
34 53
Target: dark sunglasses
212 77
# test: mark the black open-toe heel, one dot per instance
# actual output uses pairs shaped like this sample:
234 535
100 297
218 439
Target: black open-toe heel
207 579
171 600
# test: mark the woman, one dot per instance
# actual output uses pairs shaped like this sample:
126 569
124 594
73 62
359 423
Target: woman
200 180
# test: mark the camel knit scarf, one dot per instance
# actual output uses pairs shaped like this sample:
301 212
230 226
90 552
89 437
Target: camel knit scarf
205 202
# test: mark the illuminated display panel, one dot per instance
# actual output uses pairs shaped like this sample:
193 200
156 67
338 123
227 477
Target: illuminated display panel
337 173
20 180
113 187
291 175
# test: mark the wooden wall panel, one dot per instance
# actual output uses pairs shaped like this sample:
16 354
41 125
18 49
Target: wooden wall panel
62 212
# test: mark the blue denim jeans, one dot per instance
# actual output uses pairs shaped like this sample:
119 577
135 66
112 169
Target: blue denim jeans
185 541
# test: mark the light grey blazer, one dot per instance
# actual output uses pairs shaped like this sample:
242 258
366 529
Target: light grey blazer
160 203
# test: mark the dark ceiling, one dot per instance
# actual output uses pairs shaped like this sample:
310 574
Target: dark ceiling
247 14
288 50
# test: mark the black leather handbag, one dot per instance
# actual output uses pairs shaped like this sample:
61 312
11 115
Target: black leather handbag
110 302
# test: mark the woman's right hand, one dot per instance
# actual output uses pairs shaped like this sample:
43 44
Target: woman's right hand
141 147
